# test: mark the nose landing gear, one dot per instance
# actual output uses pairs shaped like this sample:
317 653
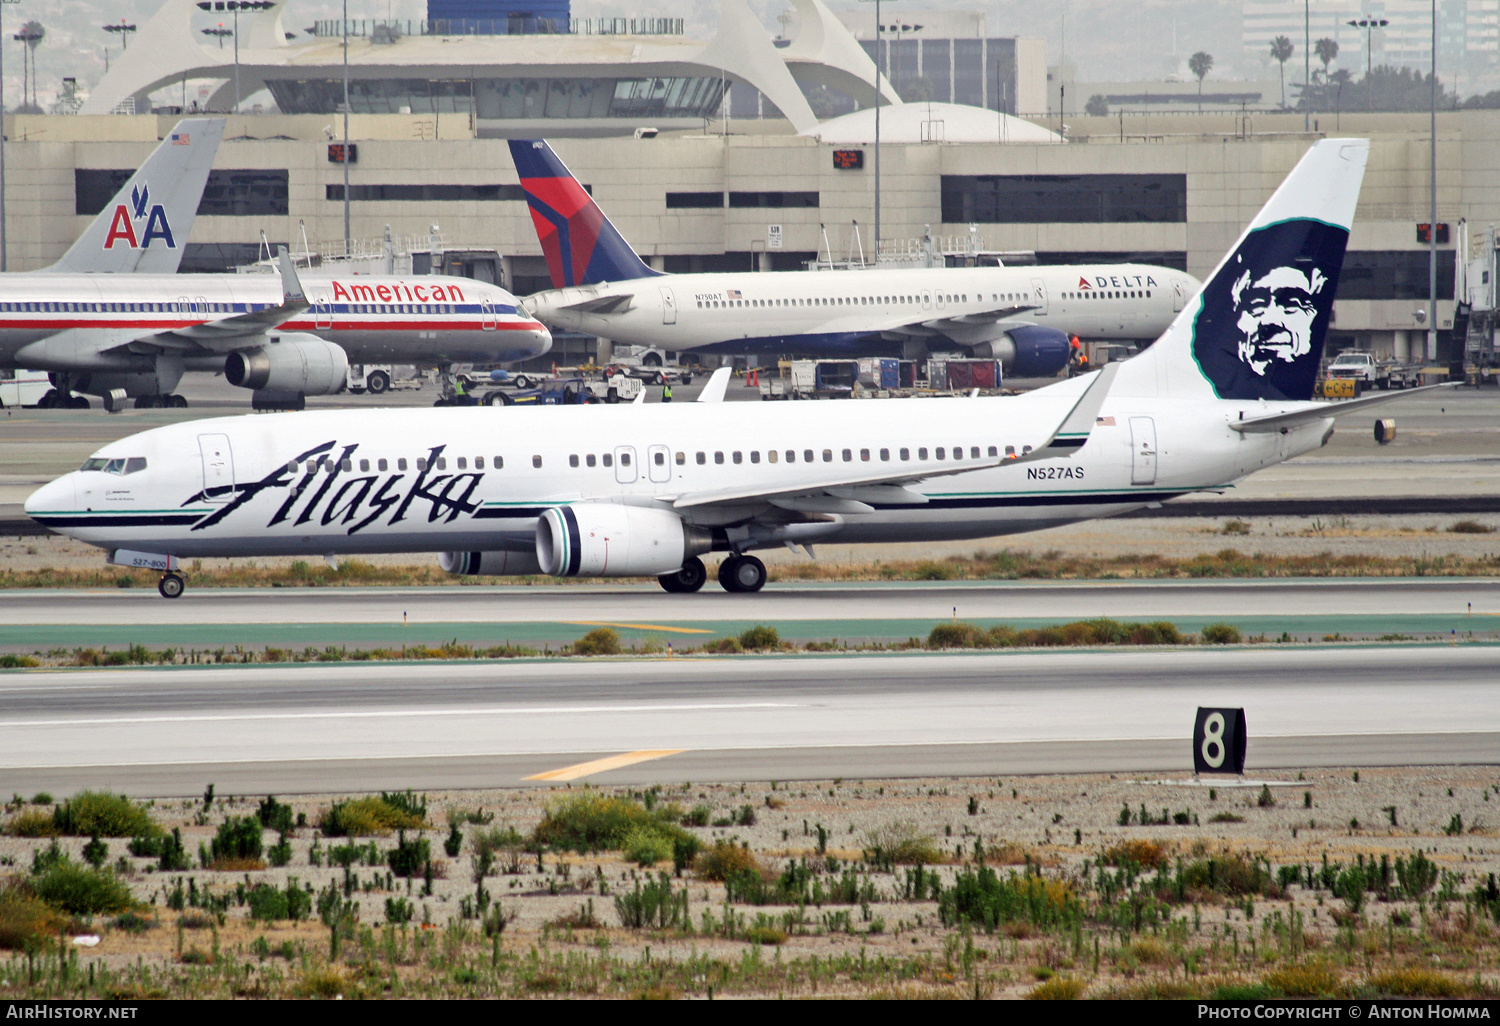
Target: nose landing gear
171 585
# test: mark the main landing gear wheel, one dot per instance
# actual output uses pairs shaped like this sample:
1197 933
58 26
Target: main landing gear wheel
171 586
689 578
742 573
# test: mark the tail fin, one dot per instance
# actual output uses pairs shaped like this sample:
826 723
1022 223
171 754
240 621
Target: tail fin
145 227
581 246
1256 327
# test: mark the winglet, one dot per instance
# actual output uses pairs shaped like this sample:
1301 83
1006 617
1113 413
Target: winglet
291 285
1079 423
718 384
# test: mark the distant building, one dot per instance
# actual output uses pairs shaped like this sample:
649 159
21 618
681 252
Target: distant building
1468 36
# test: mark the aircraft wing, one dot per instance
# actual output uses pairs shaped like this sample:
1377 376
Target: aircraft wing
969 321
602 305
226 334
854 490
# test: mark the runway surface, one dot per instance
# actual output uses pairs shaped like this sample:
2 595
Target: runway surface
549 615
311 728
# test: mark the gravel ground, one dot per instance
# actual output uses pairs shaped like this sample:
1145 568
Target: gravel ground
1054 822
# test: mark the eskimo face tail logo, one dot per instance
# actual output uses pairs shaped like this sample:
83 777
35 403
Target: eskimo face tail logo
151 218
1259 332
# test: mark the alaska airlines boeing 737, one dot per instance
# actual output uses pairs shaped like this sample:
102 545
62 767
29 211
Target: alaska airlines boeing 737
120 335
606 491
1021 316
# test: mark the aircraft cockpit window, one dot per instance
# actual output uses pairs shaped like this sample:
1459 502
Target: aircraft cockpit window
94 463
135 464
115 467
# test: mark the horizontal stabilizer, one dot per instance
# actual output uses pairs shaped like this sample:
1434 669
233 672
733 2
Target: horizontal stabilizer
1322 411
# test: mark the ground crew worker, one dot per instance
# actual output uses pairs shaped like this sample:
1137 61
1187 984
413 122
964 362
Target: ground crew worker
666 392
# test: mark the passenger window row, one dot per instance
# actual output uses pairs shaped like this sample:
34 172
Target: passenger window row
1109 294
326 463
962 297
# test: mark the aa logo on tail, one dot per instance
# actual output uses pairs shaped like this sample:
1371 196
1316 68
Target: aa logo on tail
1259 333
151 218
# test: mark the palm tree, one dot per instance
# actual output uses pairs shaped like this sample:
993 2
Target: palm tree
1281 52
1327 51
1201 64
32 34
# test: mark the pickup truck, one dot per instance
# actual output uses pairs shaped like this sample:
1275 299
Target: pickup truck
1380 373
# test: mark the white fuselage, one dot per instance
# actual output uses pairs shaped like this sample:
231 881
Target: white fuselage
836 312
350 482
80 322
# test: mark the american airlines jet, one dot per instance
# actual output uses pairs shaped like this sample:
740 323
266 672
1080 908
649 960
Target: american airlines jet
627 491
121 335
1021 316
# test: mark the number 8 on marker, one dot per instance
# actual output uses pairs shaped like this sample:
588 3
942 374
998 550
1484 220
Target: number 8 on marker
1213 737
1219 740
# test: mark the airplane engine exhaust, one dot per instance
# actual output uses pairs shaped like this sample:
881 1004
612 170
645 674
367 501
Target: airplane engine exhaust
293 362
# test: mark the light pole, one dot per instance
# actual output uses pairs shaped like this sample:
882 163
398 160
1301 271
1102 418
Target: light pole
122 30
879 29
234 7
1306 61
1432 321
2 141
348 239
220 33
1369 24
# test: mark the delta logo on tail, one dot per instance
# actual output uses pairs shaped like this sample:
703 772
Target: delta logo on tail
579 243
1263 317
151 217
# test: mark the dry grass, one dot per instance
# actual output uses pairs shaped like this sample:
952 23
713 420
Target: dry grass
1138 852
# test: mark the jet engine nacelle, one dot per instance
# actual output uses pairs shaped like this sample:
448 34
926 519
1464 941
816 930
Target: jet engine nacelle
601 539
1027 351
292 362
489 564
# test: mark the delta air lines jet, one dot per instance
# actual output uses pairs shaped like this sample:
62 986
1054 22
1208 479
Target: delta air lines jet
120 335
1021 316
610 491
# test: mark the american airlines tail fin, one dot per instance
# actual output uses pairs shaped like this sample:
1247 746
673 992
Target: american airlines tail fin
1256 327
145 227
581 246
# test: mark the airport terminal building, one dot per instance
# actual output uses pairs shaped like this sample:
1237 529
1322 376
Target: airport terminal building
714 191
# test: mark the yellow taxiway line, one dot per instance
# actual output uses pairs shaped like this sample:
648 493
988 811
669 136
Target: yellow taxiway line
584 769
640 626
